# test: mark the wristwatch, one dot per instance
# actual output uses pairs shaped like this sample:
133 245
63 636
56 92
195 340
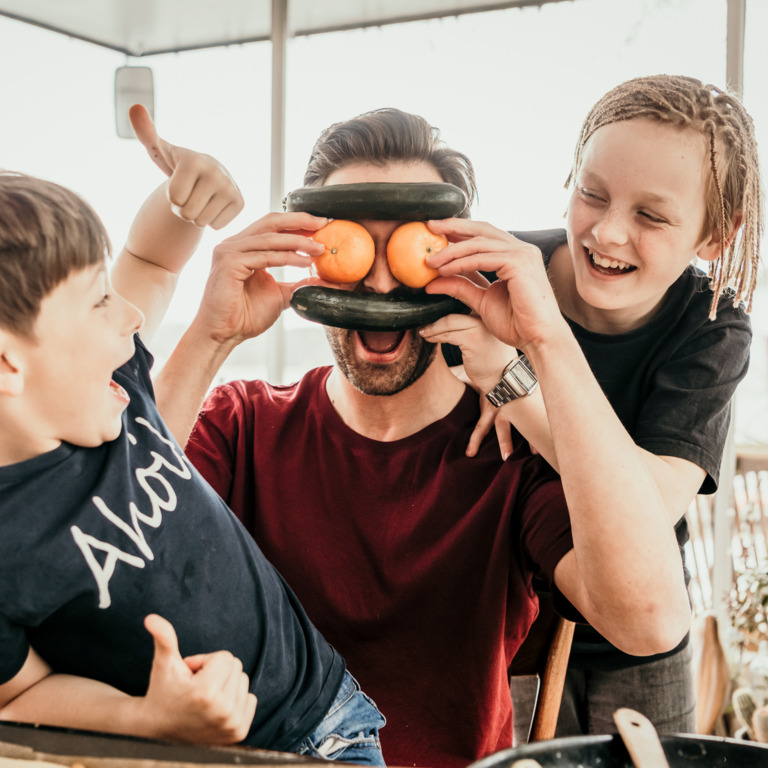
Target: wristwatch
518 380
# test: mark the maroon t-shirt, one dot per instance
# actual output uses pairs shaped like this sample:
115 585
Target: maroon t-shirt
413 560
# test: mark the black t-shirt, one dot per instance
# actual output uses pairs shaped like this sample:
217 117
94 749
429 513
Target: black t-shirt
670 382
94 539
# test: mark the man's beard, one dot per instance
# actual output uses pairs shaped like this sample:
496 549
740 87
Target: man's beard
381 378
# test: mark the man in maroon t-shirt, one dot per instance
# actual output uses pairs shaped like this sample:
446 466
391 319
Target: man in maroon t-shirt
412 558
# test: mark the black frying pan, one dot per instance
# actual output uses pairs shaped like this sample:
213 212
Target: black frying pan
682 751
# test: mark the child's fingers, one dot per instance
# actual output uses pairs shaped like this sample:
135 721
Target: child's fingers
482 428
224 206
218 670
195 662
222 687
146 133
200 187
225 215
504 436
478 279
459 287
249 708
459 229
192 184
455 229
164 636
225 685
475 439
451 329
244 705
478 254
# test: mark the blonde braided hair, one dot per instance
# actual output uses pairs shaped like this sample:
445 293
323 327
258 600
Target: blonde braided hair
734 198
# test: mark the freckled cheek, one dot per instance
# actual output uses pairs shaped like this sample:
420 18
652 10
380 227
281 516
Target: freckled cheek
651 249
577 218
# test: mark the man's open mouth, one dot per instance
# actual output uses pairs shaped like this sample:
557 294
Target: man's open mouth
381 342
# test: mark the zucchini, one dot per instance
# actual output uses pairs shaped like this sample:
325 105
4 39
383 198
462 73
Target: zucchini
372 311
418 201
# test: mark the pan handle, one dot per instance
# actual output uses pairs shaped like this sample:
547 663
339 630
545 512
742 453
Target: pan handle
640 739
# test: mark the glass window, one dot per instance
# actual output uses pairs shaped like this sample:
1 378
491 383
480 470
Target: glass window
752 397
509 88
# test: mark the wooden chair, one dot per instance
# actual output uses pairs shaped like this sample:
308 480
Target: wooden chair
537 675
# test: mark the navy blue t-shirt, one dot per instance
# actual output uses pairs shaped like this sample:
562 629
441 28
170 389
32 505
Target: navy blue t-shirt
94 539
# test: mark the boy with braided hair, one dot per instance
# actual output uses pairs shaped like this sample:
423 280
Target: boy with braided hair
733 194
665 172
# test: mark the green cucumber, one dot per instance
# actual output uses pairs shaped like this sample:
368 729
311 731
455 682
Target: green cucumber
419 201
372 311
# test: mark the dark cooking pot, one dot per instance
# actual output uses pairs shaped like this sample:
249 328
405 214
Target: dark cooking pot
682 751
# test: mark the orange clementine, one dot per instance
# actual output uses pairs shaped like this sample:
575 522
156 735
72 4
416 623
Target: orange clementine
407 250
349 251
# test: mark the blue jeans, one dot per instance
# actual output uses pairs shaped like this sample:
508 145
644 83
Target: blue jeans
661 690
349 732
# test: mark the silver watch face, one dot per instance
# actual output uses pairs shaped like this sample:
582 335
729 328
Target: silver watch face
518 380
523 376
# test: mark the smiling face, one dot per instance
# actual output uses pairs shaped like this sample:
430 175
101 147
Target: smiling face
83 333
381 363
635 219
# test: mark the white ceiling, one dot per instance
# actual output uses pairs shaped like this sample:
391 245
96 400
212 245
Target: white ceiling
146 27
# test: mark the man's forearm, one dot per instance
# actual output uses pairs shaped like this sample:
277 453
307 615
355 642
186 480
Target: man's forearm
184 381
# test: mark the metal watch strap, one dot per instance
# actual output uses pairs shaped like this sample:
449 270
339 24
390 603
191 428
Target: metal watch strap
517 380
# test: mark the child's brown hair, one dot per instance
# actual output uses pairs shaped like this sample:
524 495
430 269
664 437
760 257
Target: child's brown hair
733 196
46 233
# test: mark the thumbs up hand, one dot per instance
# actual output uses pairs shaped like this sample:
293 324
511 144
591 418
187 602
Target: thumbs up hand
203 698
200 189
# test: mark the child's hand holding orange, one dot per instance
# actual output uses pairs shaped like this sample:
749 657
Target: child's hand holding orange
407 250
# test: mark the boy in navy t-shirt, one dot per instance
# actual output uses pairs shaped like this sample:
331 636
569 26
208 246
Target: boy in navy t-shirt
131 599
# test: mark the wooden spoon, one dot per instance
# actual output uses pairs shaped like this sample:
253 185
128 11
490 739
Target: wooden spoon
640 739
